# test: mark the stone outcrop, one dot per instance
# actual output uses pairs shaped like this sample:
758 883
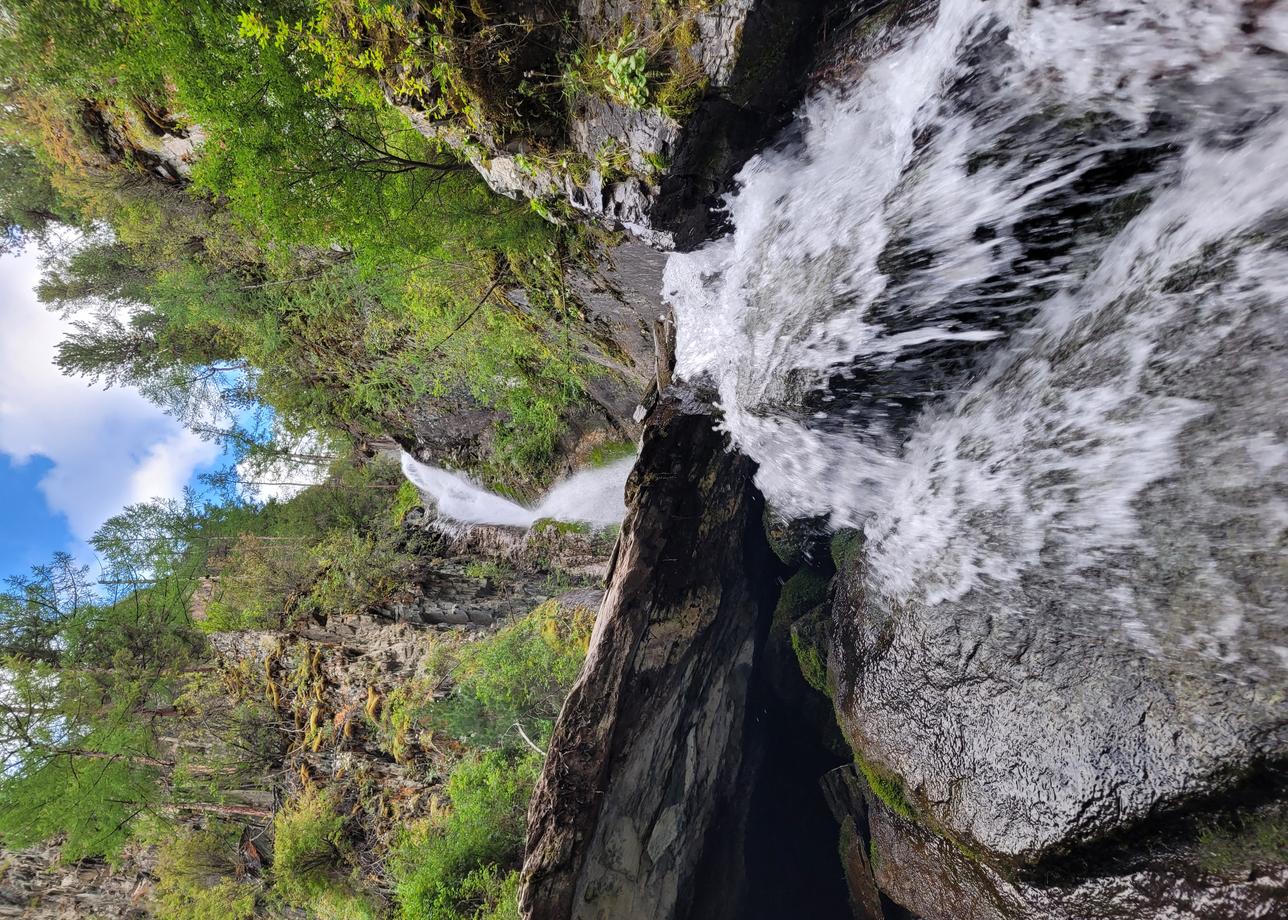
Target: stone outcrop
1064 737
619 300
35 885
748 60
662 788
646 757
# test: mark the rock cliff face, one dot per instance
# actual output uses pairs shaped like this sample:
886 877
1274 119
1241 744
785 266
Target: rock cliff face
646 760
657 175
663 791
747 61
34 885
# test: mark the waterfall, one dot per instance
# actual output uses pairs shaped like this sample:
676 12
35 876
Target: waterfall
590 496
1012 302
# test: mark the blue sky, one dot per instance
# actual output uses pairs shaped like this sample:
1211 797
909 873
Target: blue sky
71 454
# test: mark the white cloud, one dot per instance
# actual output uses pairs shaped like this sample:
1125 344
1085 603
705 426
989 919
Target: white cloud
286 477
109 447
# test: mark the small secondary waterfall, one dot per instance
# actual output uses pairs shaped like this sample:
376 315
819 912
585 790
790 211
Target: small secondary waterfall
592 496
1013 303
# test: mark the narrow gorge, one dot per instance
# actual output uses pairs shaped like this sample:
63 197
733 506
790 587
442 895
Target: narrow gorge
1005 301
757 460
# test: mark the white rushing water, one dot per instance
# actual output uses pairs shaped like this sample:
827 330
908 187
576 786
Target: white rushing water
590 496
1014 299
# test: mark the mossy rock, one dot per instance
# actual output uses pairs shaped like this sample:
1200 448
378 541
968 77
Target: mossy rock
797 542
813 667
845 547
1239 844
610 452
800 594
562 528
887 787
809 643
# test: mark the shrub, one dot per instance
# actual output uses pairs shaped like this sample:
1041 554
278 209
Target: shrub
338 904
309 857
520 675
357 570
258 582
406 499
458 866
195 878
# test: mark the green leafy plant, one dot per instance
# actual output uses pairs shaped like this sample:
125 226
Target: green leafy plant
309 848
196 876
516 679
618 71
459 865
625 71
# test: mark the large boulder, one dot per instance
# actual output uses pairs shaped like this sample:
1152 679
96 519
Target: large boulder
646 755
1068 631
677 785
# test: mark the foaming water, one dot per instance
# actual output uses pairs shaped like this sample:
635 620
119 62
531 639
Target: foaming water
1014 304
591 496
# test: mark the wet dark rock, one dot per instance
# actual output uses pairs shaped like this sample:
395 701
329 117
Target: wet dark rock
759 54
622 296
797 542
1050 739
672 786
1032 716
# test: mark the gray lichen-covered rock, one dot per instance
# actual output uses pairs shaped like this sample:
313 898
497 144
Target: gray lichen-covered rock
646 757
35 885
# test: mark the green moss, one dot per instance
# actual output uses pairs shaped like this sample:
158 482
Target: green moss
1235 847
873 856
969 852
550 525
608 453
487 568
791 541
845 547
801 593
887 787
655 162
846 838
812 666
